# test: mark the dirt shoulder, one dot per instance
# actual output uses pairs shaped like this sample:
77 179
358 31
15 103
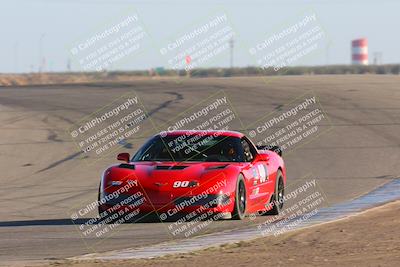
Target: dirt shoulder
371 238
70 78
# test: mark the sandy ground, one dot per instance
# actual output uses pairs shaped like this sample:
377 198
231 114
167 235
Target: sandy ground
371 238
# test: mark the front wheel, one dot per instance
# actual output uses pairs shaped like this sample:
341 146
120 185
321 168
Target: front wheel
239 211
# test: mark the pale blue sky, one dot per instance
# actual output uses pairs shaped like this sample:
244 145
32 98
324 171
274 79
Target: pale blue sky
57 24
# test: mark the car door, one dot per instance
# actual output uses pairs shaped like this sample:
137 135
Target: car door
257 174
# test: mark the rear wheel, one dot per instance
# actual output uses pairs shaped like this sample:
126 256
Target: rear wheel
278 197
239 211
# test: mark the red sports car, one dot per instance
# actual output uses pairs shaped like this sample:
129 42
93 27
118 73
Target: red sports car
181 172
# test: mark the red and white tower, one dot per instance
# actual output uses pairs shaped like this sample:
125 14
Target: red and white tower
359 52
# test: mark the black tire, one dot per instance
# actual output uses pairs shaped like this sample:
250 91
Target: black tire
103 213
99 209
239 211
277 198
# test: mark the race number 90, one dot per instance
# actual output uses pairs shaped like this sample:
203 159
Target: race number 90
181 184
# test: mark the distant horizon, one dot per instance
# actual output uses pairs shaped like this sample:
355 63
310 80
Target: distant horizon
42 33
370 66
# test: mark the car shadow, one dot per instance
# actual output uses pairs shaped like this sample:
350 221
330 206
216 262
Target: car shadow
149 218
66 222
44 222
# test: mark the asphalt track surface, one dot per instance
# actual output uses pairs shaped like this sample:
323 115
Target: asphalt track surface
44 177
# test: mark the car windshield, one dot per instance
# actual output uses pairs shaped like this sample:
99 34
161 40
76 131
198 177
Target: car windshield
191 148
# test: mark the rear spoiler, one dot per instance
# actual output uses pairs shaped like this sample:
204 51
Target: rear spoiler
276 149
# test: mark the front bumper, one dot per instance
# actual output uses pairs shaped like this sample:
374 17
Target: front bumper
184 204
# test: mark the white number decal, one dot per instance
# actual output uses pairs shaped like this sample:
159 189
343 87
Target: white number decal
181 184
262 170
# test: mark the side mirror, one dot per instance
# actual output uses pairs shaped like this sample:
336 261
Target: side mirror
261 157
124 157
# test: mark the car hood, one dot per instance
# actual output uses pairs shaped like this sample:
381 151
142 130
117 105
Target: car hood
162 175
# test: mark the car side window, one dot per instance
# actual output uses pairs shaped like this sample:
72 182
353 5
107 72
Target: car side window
247 151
